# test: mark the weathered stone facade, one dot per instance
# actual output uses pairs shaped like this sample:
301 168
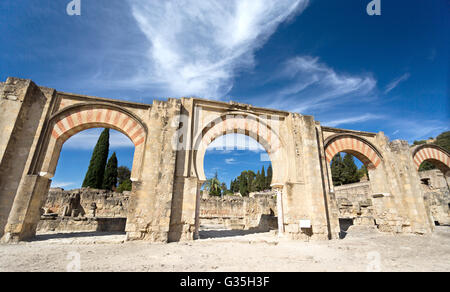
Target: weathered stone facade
84 210
257 212
358 203
171 138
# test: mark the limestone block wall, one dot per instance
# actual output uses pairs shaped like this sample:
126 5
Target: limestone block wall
81 224
437 196
72 211
355 202
150 204
233 212
108 204
305 195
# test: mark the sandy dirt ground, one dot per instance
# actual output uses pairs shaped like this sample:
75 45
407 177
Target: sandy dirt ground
360 250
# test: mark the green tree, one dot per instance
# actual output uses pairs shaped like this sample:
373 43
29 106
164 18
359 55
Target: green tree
251 181
337 168
269 177
263 179
126 185
123 174
96 170
363 172
224 189
213 186
442 140
243 184
350 170
258 181
111 173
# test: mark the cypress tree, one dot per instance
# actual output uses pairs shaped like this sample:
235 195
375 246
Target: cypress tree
96 170
269 177
258 181
111 173
336 170
243 184
350 170
263 179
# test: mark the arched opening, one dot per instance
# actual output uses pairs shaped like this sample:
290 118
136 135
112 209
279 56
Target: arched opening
237 198
258 128
74 207
433 164
351 162
89 209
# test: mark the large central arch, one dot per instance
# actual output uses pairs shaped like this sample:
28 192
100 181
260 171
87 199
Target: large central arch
246 124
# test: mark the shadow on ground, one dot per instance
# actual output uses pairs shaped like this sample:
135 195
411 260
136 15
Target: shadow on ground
206 234
43 237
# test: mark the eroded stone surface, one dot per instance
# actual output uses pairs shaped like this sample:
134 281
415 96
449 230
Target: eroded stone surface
171 138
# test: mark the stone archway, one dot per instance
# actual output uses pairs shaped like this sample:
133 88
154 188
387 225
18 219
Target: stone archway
357 146
74 119
60 127
434 154
246 124
250 125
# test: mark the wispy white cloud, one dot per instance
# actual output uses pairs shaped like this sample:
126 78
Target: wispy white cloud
56 184
235 142
308 84
419 129
197 47
391 86
230 161
86 140
351 120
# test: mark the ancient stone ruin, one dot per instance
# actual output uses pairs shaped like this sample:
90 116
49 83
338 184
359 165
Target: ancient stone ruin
171 138
85 210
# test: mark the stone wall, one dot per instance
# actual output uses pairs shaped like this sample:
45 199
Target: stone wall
84 210
355 202
437 196
358 203
73 211
257 212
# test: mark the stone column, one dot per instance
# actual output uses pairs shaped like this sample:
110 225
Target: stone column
279 191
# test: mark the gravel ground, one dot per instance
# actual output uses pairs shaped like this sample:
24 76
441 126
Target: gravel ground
361 250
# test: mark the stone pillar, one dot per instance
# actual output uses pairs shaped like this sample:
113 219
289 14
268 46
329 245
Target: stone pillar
150 204
23 107
404 209
279 191
197 211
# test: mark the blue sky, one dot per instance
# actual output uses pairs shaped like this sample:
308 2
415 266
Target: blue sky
323 58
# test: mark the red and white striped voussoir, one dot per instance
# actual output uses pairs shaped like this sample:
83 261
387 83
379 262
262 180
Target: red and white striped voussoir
241 125
430 153
354 145
83 119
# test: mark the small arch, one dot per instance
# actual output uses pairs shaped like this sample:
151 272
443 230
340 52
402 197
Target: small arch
355 145
433 153
75 118
79 117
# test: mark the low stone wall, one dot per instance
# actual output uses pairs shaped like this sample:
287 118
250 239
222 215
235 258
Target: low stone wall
80 202
257 212
84 210
82 224
437 197
356 201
